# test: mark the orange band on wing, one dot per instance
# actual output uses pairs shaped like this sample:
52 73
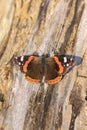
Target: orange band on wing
53 81
27 62
61 69
31 80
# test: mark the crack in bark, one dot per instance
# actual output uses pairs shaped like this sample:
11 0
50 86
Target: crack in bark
73 27
76 102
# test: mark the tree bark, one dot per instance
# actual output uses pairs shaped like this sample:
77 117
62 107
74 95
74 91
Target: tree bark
43 26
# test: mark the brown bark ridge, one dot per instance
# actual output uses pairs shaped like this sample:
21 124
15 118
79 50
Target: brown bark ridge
28 26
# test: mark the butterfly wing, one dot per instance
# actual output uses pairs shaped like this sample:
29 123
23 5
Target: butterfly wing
57 67
31 66
67 61
35 70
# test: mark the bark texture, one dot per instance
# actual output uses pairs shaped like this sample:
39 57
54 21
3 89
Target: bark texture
28 26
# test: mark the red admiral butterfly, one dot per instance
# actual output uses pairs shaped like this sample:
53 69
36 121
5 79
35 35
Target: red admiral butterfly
45 68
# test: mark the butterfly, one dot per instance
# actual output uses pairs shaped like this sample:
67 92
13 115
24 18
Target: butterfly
45 68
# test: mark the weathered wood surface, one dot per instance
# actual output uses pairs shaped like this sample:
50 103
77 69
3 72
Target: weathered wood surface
43 26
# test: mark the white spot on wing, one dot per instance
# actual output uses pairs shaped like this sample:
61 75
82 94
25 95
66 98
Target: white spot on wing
22 58
19 63
67 65
71 59
65 59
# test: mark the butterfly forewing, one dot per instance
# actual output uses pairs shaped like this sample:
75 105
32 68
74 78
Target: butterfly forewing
67 61
20 61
